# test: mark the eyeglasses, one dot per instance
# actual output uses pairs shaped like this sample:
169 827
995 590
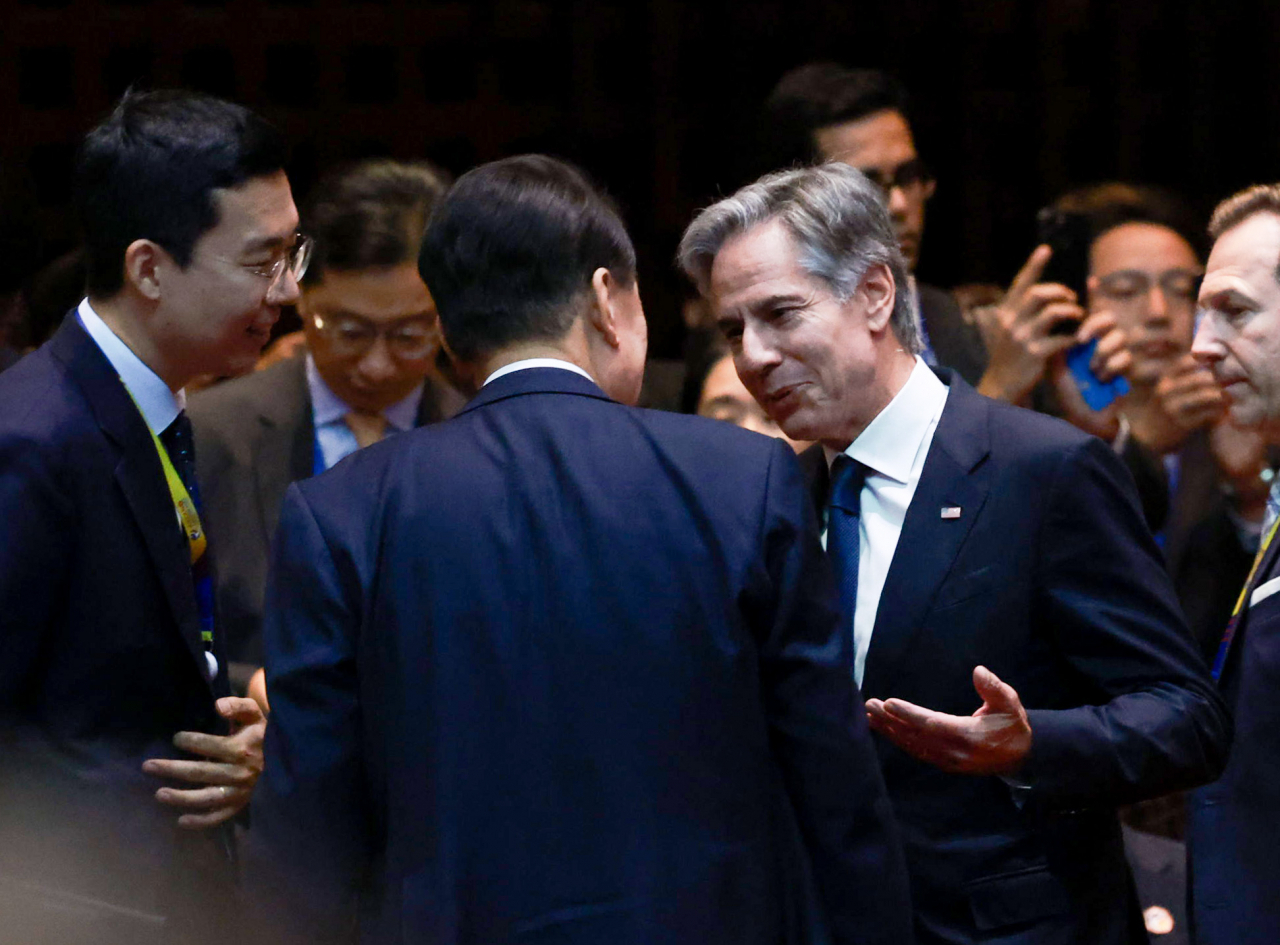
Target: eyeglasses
295 258
906 175
1129 286
352 336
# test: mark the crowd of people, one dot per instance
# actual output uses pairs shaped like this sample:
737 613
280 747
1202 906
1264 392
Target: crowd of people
409 626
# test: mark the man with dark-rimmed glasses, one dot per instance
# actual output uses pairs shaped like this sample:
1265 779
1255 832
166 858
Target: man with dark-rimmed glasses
367 372
825 112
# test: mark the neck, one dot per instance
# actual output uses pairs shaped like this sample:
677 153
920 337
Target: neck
125 321
561 350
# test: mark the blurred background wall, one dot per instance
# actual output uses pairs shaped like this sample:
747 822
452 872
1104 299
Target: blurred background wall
1014 100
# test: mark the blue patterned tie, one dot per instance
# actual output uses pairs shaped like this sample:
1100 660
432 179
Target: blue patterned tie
844 508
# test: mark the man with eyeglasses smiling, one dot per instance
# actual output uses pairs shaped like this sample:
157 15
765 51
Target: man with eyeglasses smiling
125 756
368 371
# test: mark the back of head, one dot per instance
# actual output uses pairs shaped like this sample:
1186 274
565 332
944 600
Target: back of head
149 171
1111 204
509 253
819 95
370 215
838 220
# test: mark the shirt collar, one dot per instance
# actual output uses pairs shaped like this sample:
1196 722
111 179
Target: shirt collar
328 407
890 442
536 363
158 405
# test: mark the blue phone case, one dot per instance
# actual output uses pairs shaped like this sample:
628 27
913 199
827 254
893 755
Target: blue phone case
1096 393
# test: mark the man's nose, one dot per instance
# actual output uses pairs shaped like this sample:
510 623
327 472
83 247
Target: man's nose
1206 346
284 289
1157 304
898 203
377 364
755 355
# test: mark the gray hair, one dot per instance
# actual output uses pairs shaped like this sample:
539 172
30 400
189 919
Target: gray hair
838 218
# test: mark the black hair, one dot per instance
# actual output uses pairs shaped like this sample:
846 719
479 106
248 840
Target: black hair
370 215
511 248
818 95
150 169
1109 205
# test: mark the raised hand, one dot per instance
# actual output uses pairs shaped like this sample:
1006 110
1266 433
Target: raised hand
1023 331
994 740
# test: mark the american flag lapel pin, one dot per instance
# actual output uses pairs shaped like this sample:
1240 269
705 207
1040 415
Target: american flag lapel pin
950 511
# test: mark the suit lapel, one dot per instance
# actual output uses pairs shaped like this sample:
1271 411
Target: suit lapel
953 477
139 475
1263 573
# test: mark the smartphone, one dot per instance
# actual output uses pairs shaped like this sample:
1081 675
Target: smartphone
1096 393
1068 235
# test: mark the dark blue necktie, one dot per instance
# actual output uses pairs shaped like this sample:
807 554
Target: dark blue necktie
844 508
180 445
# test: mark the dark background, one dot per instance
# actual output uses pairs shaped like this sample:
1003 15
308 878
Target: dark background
1014 101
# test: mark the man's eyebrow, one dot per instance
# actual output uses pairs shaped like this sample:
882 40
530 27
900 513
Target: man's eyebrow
270 242
1211 292
773 301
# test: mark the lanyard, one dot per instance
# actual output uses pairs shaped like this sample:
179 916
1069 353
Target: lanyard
185 508
1220 661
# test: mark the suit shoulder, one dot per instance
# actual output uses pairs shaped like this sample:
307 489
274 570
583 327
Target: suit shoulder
714 439
235 402
1029 431
41 400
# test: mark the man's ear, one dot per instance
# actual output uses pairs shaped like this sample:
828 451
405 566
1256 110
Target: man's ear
601 313
878 289
142 258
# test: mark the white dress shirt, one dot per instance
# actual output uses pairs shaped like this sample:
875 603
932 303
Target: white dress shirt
893 447
334 439
159 405
536 363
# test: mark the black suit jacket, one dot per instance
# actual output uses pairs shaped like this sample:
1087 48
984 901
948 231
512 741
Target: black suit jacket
1235 860
254 436
956 343
1049 578
536 672
1202 546
102 663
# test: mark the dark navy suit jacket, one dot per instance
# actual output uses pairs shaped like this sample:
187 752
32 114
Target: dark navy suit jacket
100 663
1050 578
1232 828
536 673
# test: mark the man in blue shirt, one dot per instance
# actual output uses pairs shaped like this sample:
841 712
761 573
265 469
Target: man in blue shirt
367 372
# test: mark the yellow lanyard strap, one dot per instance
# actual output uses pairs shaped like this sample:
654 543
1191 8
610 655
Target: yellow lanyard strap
185 508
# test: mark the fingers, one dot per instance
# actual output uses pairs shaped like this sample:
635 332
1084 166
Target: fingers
929 742
258 690
201 772
239 749
205 807
998 697
1030 272
239 709
202 799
